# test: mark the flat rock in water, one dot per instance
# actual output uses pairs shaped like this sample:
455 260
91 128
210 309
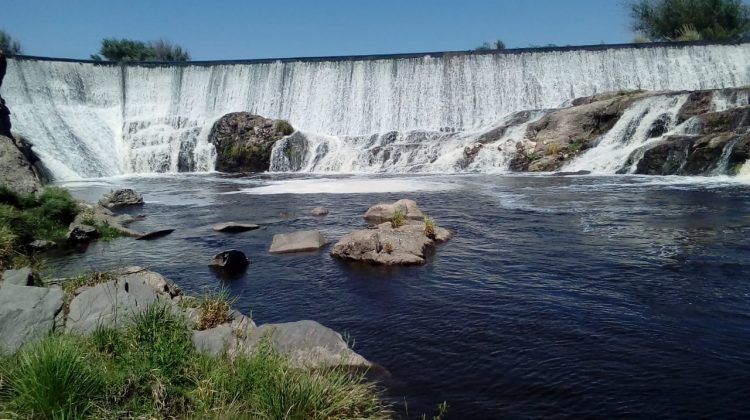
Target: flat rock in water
307 344
26 314
383 212
231 260
21 277
232 227
154 235
302 241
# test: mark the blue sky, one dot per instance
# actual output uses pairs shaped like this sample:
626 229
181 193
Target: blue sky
235 29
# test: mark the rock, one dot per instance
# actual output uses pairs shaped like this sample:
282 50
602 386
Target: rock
308 345
16 170
232 227
150 236
80 233
41 245
574 173
319 211
121 198
215 341
231 260
116 302
21 277
383 212
156 281
244 141
102 215
302 241
665 158
26 314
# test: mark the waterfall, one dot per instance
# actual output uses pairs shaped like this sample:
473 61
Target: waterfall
88 119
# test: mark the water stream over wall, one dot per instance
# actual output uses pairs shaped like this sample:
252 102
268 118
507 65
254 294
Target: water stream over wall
393 114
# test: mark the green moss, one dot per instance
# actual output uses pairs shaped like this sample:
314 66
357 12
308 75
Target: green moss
283 127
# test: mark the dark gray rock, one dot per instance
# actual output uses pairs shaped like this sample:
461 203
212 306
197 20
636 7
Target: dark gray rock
244 141
80 233
121 198
27 314
233 227
302 241
150 236
230 260
21 277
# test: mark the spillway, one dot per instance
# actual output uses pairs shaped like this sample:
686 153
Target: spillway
90 119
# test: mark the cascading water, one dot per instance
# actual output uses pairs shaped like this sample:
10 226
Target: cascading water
89 119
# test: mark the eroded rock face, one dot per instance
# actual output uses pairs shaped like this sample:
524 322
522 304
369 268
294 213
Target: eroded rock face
121 198
244 141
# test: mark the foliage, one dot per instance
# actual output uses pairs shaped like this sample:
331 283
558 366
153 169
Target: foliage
26 217
283 127
132 50
8 45
576 145
52 379
497 45
552 148
150 369
214 309
399 218
429 227
690 20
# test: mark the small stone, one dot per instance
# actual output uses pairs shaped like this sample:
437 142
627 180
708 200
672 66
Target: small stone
319 211
231 260
302 241
233 227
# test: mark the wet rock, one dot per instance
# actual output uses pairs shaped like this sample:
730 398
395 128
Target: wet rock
40 245
230 260
121 198
666 158
244 141
659 126
302 241
150 236
21 277
308 345
233 227
319 211
80 233
383 212
574 173
26 314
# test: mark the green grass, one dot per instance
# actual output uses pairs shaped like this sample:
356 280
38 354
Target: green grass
398 219
429 227
214 309
149 369
283 127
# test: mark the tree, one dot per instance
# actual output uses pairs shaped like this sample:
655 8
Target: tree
8 45
130 50
691 20
497 45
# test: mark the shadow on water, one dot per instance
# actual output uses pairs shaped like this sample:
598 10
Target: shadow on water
558 297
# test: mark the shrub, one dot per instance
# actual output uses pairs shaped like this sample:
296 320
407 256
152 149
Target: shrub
283 127
52 379
131 50
671 20
399 218
164 50
552 148
9 45
429 227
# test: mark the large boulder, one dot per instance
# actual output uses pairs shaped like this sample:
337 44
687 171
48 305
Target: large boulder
16 170
230 260
121 198
386 245
302 241
307 344
244 141
383 212
26 314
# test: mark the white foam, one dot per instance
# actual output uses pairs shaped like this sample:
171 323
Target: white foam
348 186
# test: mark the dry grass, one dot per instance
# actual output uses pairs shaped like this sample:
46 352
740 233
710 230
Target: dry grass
552 148
214 309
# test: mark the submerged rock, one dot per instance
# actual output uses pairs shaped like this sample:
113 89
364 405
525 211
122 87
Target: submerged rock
26 314
121 198
230 260
233 227
244 141
302 241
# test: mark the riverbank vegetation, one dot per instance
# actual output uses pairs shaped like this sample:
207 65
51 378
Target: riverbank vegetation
690 20
26 218
150 370
132 50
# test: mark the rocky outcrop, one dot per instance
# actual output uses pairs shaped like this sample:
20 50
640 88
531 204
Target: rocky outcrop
386 244
17 170
121 198
244 141
94 214
302 241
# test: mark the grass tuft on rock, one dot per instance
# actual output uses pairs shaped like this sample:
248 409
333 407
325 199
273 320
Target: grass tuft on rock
149 369
214 309
429 227
398 219
283 127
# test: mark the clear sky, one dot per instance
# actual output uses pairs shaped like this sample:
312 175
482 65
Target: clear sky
236 29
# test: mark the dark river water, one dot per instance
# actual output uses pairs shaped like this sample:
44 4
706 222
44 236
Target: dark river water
558 297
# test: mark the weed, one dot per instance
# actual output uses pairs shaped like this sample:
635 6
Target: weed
429 227
214 309
399 218
283 127
552 148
